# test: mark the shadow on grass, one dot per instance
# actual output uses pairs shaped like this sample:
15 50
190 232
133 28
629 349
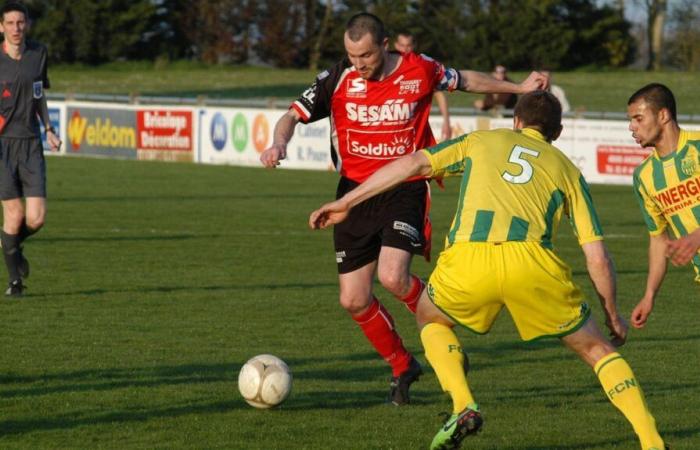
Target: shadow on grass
167 289
198 198
345 393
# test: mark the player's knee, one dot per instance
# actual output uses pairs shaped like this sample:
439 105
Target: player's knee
355 303
35 223
396 282
12 219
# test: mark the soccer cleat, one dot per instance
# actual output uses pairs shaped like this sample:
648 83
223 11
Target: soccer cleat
456 428
398 394
15 288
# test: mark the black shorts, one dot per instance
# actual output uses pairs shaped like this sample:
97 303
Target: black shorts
392 219
23 169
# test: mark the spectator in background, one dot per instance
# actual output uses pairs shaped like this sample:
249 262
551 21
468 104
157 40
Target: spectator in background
497 101
559 93
406 43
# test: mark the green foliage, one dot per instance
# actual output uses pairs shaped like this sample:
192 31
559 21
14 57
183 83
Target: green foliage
152 283
476 34
684 36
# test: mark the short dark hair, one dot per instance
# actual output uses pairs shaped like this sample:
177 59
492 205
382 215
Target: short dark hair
541 110
14 6
658 96
363 23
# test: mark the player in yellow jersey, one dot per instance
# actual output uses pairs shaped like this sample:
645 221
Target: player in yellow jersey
499 252
667 185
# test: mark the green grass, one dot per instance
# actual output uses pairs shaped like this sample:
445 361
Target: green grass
153 283
592 91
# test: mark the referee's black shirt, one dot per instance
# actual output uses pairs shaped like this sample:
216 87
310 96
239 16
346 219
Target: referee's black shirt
22 84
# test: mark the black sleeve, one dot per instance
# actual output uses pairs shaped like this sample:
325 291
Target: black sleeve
44 68
315 102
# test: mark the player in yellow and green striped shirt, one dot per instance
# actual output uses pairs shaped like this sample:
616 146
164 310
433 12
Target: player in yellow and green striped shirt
667 185
514 189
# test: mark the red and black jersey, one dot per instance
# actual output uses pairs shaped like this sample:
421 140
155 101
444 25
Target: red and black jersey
374 122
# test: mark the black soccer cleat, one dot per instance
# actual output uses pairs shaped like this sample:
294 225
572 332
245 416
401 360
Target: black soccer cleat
15 288
398 393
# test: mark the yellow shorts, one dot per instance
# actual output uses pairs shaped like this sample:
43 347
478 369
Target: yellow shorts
474 280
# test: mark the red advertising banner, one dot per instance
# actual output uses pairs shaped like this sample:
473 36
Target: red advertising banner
620 159
163 129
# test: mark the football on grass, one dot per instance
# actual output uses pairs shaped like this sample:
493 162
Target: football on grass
265 381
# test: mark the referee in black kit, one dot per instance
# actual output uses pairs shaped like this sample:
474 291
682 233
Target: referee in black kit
22 169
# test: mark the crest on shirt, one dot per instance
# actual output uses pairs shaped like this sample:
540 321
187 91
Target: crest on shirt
38 89
357 87
688 165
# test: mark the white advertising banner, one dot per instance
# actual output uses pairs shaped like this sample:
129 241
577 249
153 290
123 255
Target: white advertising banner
238 136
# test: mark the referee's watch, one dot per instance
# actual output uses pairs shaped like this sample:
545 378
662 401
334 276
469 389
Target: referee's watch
51 129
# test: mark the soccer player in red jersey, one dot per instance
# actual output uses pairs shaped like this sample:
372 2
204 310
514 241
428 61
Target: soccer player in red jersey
378 103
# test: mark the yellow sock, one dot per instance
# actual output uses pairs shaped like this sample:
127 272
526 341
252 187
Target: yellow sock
624 392
444 353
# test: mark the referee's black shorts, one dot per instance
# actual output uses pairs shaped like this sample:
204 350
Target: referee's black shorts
23 169
392 219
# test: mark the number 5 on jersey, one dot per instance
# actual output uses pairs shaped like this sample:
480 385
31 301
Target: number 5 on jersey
516 157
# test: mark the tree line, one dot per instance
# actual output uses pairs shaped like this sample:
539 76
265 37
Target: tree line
521 34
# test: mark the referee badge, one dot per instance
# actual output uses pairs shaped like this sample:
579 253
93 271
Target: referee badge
38 89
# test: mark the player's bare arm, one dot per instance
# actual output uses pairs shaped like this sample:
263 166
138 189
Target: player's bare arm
441 100
682 250
481 83
602 272
415 164
284 130
657 270
51 138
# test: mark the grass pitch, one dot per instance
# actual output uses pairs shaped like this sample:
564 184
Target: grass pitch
153 283
605 91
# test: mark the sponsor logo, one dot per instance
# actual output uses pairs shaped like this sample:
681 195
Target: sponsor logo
164 130
409 87
392 112
310 94
312 130
218 132
100 133
261 132
679 197
322 75
239 132
619 159
357 87
407 230
621 387
381 144
38 89
339 256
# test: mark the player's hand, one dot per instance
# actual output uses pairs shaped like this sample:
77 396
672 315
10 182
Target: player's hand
682 250
535 81
271 157
641 312
328 214
446 131
53 141
618 330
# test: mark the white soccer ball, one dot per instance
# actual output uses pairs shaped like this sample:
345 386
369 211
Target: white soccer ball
265 381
